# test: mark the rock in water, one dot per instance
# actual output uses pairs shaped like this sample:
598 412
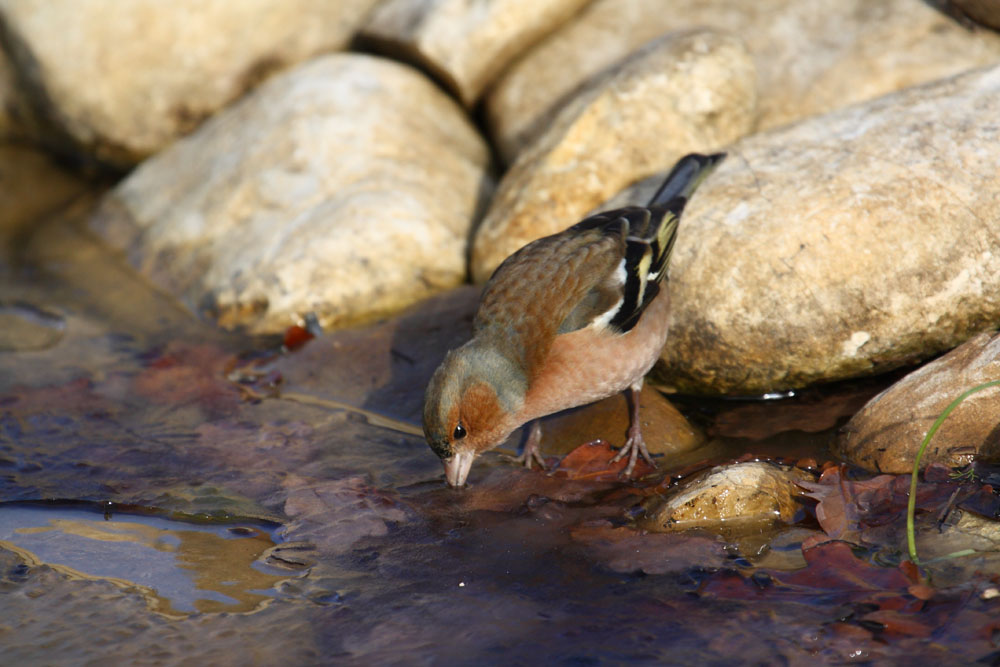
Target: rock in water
886 434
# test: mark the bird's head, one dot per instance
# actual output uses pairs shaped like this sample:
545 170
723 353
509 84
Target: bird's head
471 406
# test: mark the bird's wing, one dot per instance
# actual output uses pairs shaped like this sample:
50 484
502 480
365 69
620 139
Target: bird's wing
601 272
534 290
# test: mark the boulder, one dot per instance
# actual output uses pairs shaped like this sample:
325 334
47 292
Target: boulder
464 45
681 93
732 498
842 246
886 434
346 187
122 80
812 56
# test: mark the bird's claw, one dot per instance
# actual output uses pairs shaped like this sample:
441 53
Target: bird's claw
527 458
634 447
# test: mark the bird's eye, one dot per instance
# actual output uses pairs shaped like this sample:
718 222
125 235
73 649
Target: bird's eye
459 433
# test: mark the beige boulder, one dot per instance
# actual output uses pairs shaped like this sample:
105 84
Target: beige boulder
886 434
845 245
811 55
122 80
732 499
346 187
464 45
684 92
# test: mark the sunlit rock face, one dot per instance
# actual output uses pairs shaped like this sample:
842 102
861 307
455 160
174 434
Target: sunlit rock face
841 246
345 188
811 56
120 81
465 45
689 91
887 433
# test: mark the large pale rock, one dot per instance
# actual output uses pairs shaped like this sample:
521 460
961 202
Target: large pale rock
886 434
346 187
811 55
465 45
845 245
734 499
684 92
123 80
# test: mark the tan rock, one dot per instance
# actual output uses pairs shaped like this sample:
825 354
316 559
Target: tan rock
465 45
886 434
665 429
843 246
123 80
729 498
684 92
811 55
346 187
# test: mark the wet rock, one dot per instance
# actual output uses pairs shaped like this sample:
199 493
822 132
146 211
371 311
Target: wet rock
842 246
734 498
665 429
32 185
684 92
811 56
886 434
345 188
121 81
464 45
25 327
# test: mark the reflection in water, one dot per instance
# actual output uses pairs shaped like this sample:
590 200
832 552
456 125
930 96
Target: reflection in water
179 568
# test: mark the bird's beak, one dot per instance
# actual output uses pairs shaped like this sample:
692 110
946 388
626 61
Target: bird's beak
456 468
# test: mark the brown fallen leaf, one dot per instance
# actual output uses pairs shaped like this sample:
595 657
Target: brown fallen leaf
592 461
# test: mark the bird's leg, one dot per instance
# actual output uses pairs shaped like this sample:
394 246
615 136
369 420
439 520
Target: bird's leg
532 453
635 445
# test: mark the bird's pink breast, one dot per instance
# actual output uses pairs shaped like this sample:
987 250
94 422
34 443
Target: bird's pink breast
585 366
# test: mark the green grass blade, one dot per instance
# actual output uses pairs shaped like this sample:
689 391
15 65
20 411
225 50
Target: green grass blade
911 507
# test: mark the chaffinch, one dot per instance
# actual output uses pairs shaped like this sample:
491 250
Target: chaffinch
566 320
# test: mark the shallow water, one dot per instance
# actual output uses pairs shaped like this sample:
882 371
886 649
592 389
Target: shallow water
282 508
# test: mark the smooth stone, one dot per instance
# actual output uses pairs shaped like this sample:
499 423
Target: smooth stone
24 327
691 91
843 246
665 430
886 434
732 499
464 45
120 81
346 187
812 56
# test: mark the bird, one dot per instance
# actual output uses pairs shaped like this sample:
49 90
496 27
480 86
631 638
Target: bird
567 320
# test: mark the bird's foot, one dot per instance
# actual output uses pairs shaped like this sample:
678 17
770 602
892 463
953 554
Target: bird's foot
528 457
634 447
532 452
